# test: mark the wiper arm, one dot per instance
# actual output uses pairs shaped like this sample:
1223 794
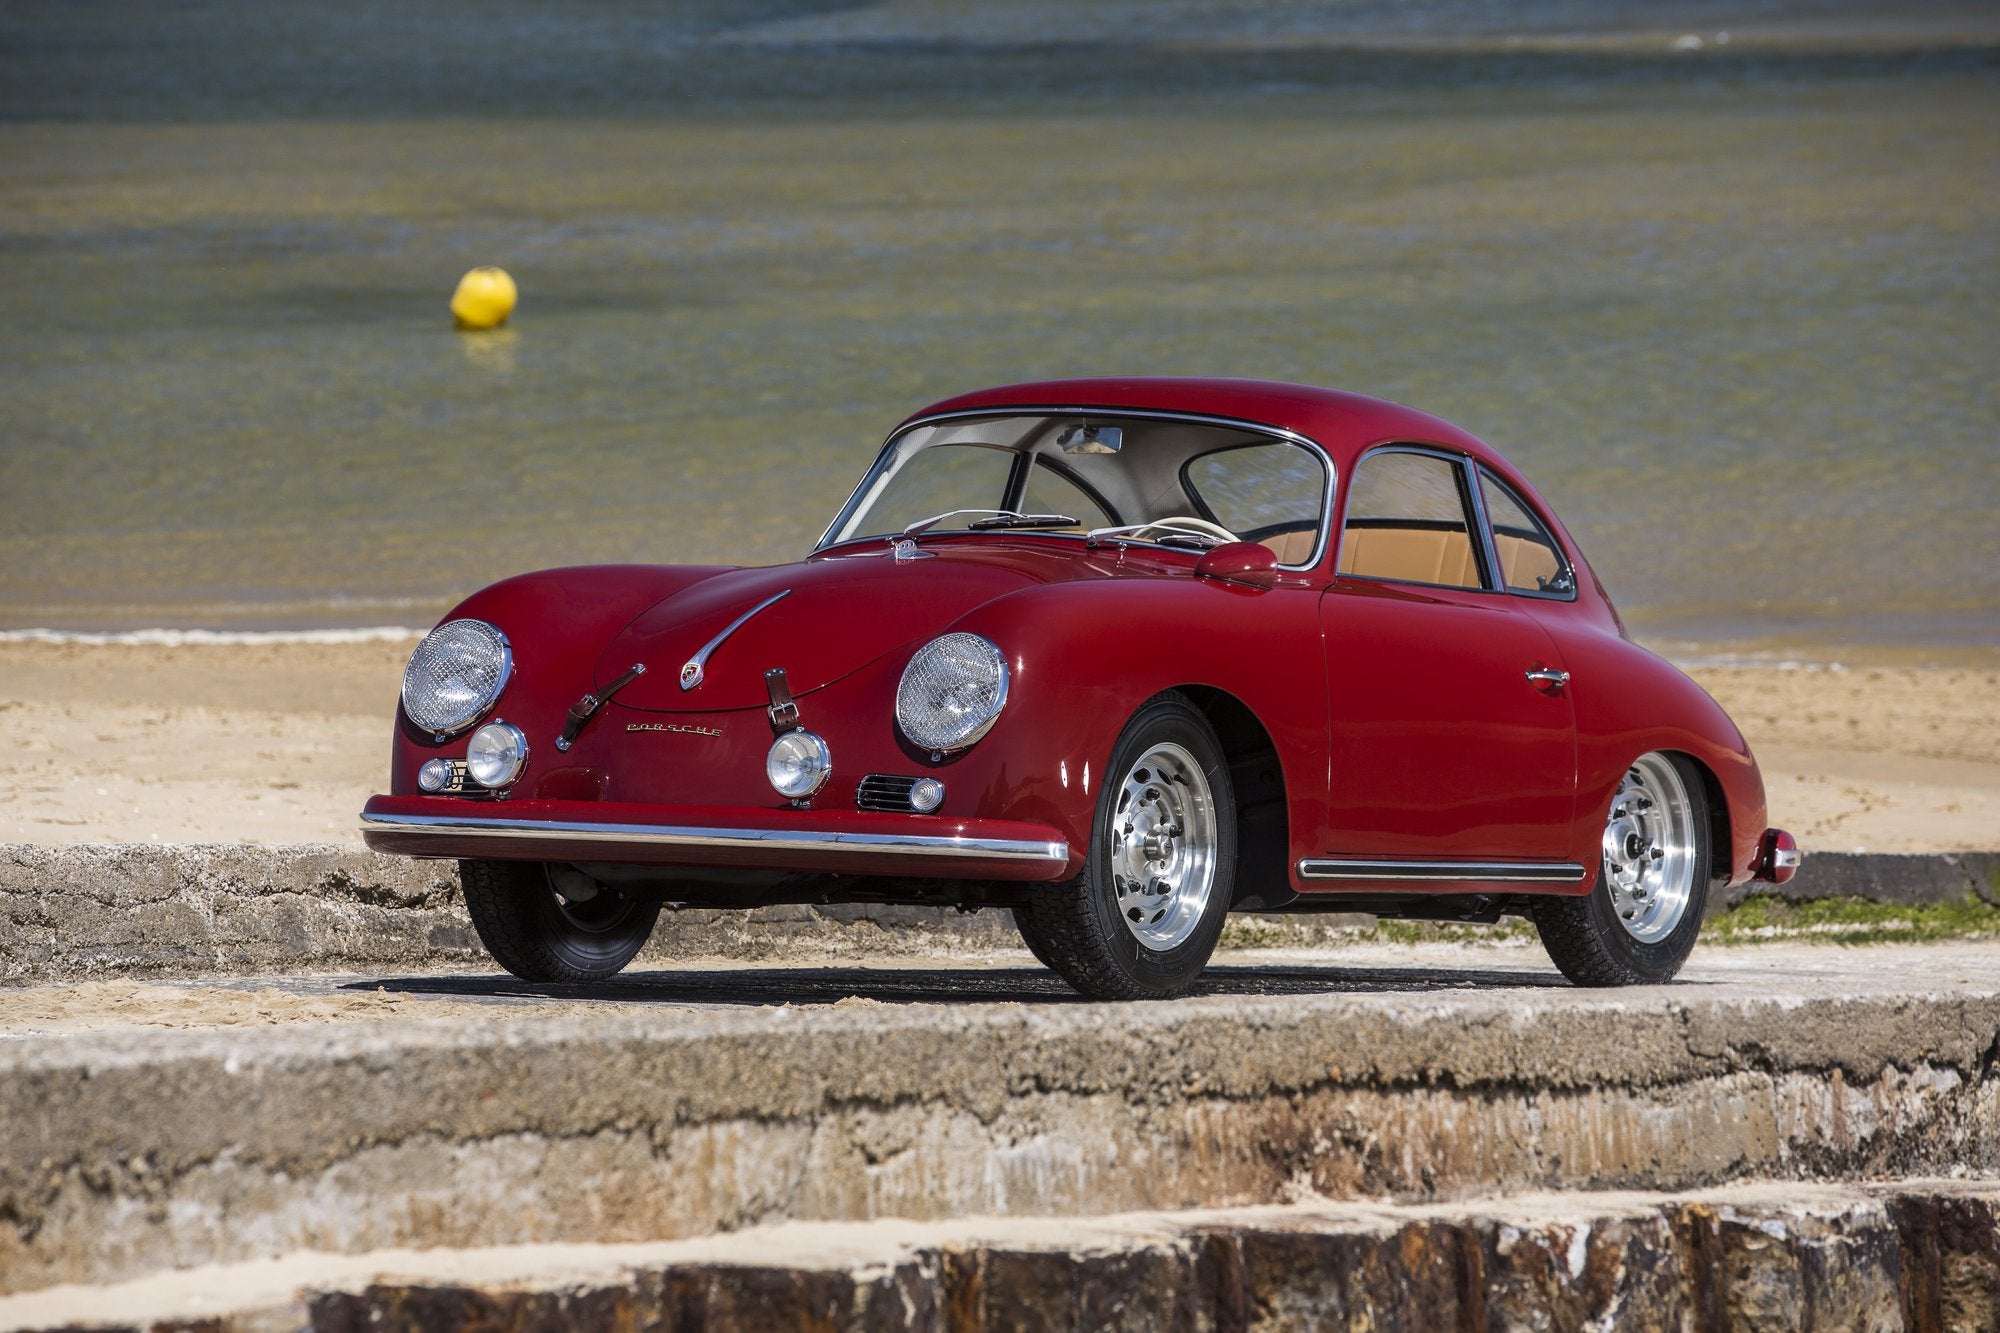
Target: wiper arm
1021 521
926 524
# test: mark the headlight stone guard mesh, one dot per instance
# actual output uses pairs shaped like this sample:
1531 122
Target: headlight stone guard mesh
455 675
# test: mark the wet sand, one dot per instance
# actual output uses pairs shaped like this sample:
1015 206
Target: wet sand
282 742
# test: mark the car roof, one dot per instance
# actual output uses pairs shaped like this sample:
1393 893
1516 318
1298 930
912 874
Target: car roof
1342 423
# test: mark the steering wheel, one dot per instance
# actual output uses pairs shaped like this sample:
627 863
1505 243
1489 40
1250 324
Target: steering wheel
1184 523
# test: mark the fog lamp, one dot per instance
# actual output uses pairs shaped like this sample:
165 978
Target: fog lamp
798 764
496 754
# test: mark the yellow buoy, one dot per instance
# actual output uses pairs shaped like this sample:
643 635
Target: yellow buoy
484 299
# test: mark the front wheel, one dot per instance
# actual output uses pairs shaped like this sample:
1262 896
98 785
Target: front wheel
587 933
1639 923
1142 919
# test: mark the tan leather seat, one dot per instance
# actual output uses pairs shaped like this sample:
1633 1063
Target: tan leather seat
1525 563
1291 548
1410 555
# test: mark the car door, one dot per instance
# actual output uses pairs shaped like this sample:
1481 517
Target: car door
1452 739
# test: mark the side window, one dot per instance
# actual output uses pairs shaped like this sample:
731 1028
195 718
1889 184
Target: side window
1407 521
1050 492
1271 493
1530 560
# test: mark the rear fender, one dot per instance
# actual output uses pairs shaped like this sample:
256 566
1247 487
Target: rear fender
1628 702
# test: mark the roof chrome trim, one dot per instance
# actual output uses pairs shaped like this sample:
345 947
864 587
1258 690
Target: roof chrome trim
1367 868
777 840
1199 418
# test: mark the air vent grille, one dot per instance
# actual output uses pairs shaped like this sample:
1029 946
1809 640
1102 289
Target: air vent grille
881 791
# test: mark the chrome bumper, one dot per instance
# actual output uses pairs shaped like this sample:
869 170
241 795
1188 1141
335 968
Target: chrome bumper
837 844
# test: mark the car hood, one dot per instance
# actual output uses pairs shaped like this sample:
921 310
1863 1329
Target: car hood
832 616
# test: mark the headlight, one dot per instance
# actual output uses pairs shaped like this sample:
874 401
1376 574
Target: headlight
455 675
798 764
496 754
951 692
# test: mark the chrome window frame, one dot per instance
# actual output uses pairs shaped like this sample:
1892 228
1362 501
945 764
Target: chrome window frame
1461 464
1312 446
1479 471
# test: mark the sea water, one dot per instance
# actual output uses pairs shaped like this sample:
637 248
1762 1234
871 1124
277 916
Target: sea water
1733 306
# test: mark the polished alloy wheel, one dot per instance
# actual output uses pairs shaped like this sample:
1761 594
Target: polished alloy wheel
1163 847
1650 849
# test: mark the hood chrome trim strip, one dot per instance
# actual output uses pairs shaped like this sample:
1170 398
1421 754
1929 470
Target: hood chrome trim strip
695 668
779 840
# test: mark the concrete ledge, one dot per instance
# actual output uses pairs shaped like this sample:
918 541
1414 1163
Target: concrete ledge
149 910
1886 877
1910 1254
132 1151
144 910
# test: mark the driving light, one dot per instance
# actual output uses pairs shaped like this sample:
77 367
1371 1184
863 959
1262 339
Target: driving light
496 754
435 775
798 764
926 795
455 675
951 692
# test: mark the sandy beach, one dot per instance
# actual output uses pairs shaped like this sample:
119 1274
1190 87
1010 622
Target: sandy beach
273 742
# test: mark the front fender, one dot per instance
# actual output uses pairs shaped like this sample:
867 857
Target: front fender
1086 655
557 622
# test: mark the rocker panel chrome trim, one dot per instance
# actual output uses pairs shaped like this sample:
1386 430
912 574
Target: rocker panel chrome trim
667 835
1522 872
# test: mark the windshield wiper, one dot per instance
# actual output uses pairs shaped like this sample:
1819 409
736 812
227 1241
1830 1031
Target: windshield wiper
1021 521
1000 518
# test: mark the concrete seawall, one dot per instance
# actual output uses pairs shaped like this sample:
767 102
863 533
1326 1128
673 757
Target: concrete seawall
132 1151
143 910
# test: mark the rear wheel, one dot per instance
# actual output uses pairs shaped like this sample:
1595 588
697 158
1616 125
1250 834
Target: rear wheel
586 933
1142 919
1639 923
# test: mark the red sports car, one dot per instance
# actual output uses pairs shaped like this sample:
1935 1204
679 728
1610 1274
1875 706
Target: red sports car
1120 656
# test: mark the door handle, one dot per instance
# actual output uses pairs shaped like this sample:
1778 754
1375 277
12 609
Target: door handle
1548 679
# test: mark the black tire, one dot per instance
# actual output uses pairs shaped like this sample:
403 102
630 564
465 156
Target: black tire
534 935
1586 937
1042 948
1081 925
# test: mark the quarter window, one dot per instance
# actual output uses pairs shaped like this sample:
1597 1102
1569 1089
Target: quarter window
1530 560
1407 521
1270 492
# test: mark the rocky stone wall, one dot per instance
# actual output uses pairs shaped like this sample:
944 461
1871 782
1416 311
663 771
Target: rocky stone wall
1916 1255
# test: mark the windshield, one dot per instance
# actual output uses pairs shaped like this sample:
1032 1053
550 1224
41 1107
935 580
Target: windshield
1199 483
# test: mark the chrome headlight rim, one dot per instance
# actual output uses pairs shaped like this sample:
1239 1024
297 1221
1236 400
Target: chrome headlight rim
487 702
517 744
816 763
952 744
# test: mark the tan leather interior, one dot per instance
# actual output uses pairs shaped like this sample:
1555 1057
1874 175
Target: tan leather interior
1291 548
1525 562
1411 555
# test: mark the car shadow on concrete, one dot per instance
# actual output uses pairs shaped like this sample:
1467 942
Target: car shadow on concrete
769 986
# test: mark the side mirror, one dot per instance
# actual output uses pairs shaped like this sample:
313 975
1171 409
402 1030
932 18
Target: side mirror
1240 562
